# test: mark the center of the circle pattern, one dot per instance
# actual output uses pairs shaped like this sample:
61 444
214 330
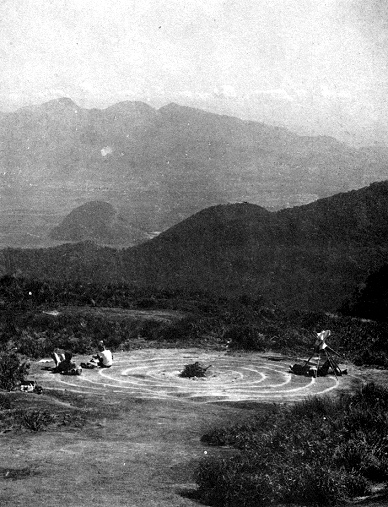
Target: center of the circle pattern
156 374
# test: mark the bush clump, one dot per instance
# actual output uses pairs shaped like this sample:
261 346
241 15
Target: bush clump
194 370
246 337
36 420
12 370
5 402
319 453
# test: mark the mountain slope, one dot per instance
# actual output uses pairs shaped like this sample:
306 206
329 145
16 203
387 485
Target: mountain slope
311 256
158 167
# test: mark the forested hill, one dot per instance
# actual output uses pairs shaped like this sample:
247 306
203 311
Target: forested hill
310 256
96 221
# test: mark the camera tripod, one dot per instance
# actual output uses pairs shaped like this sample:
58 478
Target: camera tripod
321 347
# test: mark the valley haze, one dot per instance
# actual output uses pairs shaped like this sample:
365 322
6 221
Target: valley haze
156 167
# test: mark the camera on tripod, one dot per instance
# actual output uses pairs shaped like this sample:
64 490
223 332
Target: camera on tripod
320 348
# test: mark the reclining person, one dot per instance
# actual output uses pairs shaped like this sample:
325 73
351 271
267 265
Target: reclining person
64 364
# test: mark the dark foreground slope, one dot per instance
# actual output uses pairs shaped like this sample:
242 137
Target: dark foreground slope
310 256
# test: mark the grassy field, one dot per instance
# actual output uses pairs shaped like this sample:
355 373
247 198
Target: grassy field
75 447
80 446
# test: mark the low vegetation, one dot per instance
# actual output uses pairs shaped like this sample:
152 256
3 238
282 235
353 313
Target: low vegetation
370 299
12 370
319 452
35 419
243 323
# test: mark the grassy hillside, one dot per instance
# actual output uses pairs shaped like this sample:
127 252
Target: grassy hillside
195 318
311 257
322 452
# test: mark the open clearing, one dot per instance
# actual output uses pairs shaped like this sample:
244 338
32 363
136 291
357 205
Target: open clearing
155 374
141 441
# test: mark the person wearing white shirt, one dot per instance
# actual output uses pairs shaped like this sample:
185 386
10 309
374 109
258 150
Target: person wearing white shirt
105 358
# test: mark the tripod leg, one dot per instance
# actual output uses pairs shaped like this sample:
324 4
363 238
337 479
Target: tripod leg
338 369
334 352
308 360
319 358
337 366
332 364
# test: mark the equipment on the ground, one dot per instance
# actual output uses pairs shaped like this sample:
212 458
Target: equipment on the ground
30 386
320 348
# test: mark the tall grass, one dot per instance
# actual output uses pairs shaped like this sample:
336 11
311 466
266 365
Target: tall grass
317 453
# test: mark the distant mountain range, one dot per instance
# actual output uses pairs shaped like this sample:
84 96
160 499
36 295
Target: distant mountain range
159 166
312 256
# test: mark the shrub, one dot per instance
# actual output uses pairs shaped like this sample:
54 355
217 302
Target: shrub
5 402
33 344
358 454
194 370
243 435
36 420
246 337
182 330
376 358
12 370
357 484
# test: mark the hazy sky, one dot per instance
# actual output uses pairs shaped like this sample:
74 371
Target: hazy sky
315 64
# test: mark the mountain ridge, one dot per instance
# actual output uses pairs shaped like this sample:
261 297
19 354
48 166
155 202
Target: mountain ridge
309 257
159 166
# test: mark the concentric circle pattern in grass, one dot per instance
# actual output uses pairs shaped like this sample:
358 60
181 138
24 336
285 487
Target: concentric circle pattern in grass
155 374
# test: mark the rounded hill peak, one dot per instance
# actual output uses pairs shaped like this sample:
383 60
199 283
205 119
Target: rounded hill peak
61 103
95 220
230 223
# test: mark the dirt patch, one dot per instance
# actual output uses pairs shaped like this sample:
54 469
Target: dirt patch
15 474
119 313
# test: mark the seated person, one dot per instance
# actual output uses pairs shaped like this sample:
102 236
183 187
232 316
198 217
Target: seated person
64 364
58 355
103 359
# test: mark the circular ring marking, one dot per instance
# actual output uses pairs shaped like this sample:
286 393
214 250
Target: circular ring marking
156 374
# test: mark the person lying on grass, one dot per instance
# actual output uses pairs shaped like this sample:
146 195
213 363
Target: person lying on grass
64 363
103 358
